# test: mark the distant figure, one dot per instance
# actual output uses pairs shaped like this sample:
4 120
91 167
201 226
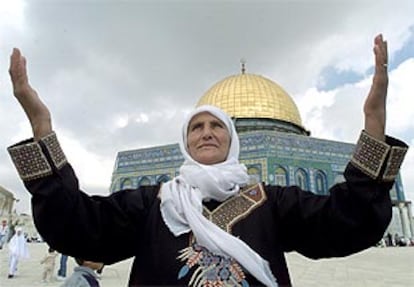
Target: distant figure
18 250
84 275
4 233
61 274
49 264
390 240
396 239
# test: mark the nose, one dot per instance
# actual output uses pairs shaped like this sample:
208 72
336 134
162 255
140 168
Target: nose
207 133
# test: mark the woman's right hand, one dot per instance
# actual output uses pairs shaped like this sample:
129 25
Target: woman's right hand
35 109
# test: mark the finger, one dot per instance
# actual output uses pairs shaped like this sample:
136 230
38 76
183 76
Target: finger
382 44
380 51
15 63
378 39
13 60
17 68
379 58
385 51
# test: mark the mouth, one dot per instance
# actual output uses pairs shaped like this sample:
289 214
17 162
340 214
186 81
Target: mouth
207 146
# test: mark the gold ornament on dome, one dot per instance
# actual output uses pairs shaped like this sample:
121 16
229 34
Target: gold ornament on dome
252 96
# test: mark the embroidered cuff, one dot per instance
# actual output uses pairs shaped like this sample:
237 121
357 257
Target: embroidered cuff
378 159
394 162
369 155
53 147
31 161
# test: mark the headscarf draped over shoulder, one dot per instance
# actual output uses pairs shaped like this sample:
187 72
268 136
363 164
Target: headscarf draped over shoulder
182 198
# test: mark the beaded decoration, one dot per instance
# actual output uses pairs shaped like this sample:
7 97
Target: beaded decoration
211 269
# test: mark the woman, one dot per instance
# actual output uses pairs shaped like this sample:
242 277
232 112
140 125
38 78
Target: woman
208 225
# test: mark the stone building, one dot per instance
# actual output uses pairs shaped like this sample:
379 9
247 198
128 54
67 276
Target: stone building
6 204
275 146
7 212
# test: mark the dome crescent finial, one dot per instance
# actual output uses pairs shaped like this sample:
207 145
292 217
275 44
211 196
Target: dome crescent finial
243 65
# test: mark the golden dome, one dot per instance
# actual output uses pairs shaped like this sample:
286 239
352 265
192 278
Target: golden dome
252 96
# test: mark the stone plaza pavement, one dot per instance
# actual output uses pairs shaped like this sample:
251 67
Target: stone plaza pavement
376 267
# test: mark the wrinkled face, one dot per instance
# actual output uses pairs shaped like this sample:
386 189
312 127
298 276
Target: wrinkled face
208 140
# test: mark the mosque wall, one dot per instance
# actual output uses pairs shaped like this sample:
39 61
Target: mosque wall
275 158
263 152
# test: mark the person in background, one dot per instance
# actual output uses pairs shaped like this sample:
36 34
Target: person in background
49 264
4 233
12 229
63 262
83 275
390 239
209 226
18 250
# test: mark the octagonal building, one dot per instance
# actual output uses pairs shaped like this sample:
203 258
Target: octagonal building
274 145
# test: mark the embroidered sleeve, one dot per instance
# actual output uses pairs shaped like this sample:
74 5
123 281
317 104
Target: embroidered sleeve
378 159
37 159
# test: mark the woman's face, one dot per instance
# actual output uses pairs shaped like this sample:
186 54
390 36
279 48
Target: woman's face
208 140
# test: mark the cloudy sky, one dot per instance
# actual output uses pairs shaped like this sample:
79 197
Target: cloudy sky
121 75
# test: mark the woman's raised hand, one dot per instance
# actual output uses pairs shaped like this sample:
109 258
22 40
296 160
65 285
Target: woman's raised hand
375 103
35 109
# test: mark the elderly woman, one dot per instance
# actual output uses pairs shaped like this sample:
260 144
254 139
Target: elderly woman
208 226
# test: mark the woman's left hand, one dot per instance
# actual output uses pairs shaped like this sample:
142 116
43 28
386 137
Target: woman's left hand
375 103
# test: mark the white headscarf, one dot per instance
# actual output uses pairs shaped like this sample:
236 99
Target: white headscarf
182 197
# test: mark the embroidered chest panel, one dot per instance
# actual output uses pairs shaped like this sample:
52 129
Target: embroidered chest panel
233 210
211 270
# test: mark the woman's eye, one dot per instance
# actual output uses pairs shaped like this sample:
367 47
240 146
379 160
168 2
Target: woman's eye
196 127
217 125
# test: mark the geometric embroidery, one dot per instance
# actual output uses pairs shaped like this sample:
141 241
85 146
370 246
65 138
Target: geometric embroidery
369 155
54 149
30 161
212 270
394 162
227 214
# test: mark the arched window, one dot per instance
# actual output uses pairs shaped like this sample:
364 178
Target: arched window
320 182
281 176
255 174
301 179
144 181
163 178
126 183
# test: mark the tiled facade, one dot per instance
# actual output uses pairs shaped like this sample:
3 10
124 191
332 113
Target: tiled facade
273 157
270 156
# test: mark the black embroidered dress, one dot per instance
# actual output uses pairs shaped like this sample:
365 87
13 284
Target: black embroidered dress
272 220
